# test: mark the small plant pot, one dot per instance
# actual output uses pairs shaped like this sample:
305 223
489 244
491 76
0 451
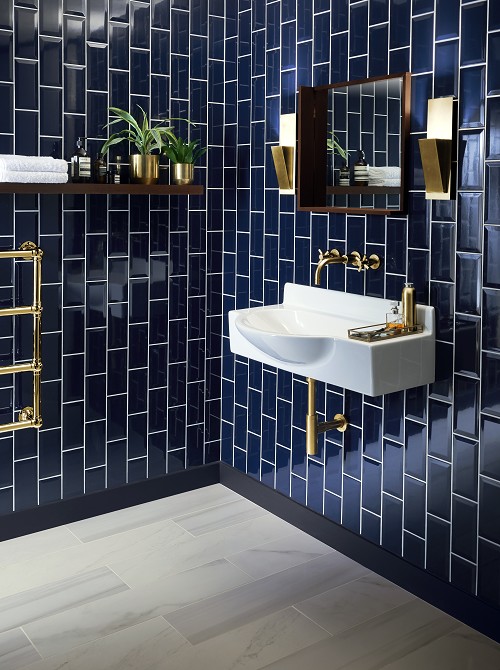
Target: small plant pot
182 173
144 169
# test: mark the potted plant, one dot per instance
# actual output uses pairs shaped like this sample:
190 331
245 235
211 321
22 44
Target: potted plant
183 156
334 147
144 166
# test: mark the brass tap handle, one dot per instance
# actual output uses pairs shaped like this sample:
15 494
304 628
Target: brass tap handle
357 260
333 253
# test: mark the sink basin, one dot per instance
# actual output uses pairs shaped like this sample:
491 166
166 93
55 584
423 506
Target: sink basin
308 334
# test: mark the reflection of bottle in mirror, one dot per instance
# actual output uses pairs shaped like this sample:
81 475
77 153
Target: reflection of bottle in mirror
361 170
344 175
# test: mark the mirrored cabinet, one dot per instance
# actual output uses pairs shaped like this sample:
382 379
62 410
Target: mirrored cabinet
352 141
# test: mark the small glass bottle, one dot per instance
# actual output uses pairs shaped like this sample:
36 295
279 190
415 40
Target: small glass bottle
117 175
100 169
393 319
344 175
81 166
361 170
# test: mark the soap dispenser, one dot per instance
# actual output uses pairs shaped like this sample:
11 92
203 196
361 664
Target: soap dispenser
409 303
81 165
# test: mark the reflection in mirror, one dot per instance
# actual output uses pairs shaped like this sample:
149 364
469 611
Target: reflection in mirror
352 139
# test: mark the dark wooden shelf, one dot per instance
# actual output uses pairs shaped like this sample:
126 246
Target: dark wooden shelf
96 189
363 190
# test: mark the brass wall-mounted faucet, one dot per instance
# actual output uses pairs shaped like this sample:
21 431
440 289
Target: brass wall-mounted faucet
362 262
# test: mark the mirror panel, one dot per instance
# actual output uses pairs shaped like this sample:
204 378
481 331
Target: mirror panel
361 126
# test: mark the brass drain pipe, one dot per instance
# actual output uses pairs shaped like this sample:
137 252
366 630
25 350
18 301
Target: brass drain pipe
313 427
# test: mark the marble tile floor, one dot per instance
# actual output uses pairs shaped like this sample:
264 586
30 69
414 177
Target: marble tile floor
206 579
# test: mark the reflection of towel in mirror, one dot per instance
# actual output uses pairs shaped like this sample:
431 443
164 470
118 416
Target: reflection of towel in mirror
384 176
18 177
32 164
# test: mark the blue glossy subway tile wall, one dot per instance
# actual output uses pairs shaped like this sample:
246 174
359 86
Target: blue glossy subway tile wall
131 284
418 472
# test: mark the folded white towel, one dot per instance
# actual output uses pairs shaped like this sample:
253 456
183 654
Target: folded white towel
32 163
18 177
385 172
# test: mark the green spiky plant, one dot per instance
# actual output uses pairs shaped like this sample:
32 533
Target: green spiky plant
332 144
145 137
180 151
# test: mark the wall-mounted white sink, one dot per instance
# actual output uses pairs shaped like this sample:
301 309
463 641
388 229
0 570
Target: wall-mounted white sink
307 334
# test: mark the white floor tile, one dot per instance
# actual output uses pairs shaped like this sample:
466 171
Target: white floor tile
223 613
279 554
36 545
61 632
152 512
16 651
222 516
199 550
373 645
26 606
350 604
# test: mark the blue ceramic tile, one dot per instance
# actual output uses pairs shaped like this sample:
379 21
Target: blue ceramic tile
491 320
473 34
415 449
438 547
392 524
464 528
492 186
414 506
26 33
489 510
443 300
440 429
351 504
119 10
465 467
471 154
468 283
140 22
468 345
439 488
393 468
74 43
489 384
491 271
472 97
118 46
399 24
394 416
72 479
378 58
314 486
372 483
422 41
447 19
443 256
359 29
470 219
494 17
97 16
446 69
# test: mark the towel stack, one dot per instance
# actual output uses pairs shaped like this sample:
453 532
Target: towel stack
32 169
384 176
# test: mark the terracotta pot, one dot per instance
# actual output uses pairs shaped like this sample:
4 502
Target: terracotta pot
182 173
144 169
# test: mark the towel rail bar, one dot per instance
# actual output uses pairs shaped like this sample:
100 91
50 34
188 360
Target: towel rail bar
29 417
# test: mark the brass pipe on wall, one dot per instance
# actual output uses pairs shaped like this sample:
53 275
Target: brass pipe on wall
29 417
315 428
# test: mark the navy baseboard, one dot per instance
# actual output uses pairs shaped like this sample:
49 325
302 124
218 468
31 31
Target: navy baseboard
110 500
461 605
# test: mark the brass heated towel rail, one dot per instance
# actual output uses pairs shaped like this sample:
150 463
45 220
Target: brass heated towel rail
29 417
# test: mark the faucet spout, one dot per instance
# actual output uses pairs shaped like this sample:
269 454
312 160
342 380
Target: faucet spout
326 258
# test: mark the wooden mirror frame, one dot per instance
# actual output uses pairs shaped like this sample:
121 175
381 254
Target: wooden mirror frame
312 189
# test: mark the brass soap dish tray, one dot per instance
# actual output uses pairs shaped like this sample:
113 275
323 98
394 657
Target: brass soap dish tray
380 332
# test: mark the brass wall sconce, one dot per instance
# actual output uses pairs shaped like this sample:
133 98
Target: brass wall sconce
29 417
284 154
313 427
438 151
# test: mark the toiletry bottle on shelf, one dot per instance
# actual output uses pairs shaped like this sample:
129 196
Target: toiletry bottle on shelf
81 165
100 169
394 319
409 303
117 175
361 170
